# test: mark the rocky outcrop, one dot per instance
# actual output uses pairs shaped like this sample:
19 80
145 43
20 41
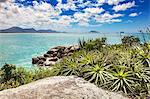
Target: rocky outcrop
59 87
54 54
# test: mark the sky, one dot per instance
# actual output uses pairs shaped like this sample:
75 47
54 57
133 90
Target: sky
76 15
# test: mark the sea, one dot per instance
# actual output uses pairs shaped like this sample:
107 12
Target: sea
19 48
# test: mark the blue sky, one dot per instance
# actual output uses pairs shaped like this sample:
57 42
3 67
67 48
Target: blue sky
76 15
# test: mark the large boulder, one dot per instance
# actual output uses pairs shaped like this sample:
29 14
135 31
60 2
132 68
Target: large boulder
76 47
41 58
52 59
49 63
35 60
51 51
40 63
56 49
46 55
59 87
59 47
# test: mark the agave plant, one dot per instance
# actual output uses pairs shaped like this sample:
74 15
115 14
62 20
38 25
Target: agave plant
141 92
87 58
97 74
142 78
70 67
122 79
144 55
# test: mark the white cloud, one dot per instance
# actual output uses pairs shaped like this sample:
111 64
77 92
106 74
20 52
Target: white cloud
82 18
133 14
80 15
38 16
64 20
94 10
69 5
114 2
108 18
44 16
88 4
123 7
110 2
101 1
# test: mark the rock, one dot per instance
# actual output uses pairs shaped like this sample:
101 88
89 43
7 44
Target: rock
69 47
54 54
41 58
76 47
59 47
59 87
72 49
59 52
56 49
66 50
49 63
60 55
46 55
52 59
35 60
40 62
51 51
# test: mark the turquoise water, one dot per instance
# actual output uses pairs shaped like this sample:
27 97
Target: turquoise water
19 48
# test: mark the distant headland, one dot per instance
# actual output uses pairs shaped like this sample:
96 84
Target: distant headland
27 30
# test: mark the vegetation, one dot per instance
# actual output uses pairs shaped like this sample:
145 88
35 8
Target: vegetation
123 67
11 77
130 40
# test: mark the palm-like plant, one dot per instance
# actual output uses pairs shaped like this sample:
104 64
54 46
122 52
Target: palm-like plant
87 58
142 78
143 54
70 67
122 79
97 74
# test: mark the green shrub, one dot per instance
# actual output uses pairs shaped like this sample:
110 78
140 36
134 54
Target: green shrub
130 40
89 45
11 77
7 72
41 73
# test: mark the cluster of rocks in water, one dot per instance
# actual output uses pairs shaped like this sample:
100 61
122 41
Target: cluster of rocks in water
54 55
